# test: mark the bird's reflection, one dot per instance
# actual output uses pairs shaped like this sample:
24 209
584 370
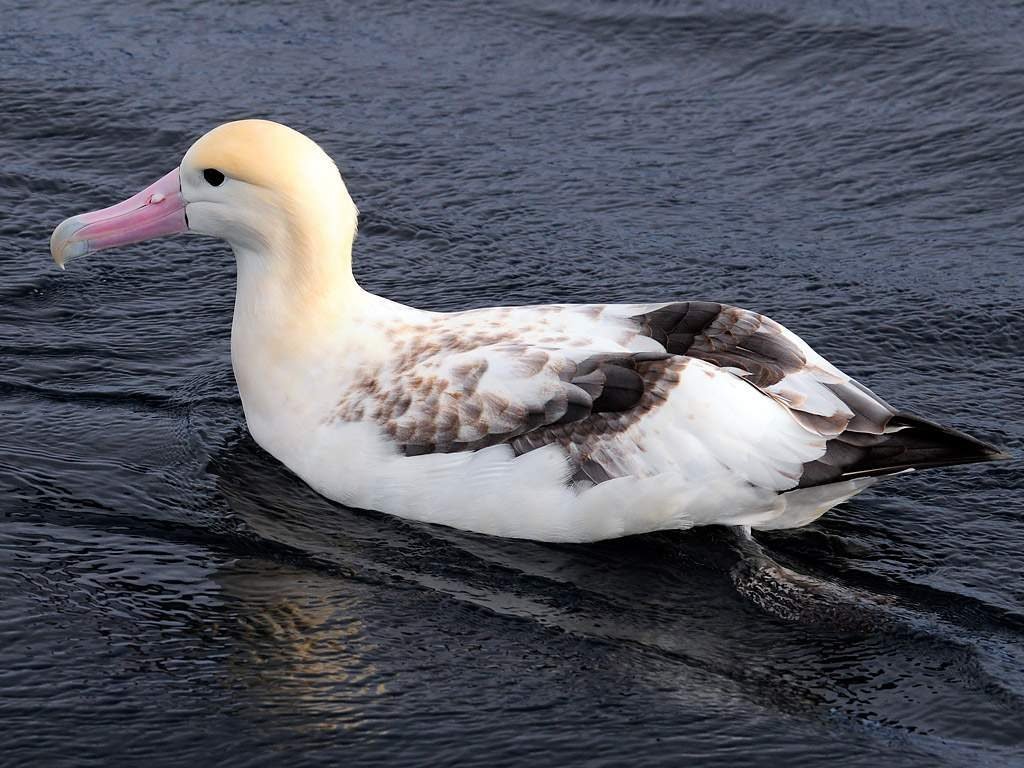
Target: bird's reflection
303 654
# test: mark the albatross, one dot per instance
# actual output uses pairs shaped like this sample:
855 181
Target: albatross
563 422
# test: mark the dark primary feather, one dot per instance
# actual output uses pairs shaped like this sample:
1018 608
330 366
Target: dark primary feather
918 444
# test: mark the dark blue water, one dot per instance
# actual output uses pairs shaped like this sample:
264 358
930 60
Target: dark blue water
170 595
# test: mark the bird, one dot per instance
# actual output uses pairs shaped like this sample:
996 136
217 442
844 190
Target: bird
559 423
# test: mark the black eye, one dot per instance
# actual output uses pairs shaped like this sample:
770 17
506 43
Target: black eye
213 177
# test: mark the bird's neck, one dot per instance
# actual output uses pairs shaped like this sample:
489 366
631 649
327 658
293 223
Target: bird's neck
294 300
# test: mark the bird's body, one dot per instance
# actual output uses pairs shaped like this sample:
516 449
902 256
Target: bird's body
560 422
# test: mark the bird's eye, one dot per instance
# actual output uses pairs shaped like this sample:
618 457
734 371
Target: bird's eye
213 177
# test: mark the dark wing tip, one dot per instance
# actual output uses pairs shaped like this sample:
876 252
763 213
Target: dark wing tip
948 446
909 442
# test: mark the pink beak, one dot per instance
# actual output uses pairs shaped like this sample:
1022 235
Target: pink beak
157 210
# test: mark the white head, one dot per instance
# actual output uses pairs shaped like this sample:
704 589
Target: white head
267 190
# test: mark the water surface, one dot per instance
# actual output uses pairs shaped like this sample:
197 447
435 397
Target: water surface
169 593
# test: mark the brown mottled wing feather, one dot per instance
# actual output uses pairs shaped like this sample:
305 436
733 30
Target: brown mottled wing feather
457 416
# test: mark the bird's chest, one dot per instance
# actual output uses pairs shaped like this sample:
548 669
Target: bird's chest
288 389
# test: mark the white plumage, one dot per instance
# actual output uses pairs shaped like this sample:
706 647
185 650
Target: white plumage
561 423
